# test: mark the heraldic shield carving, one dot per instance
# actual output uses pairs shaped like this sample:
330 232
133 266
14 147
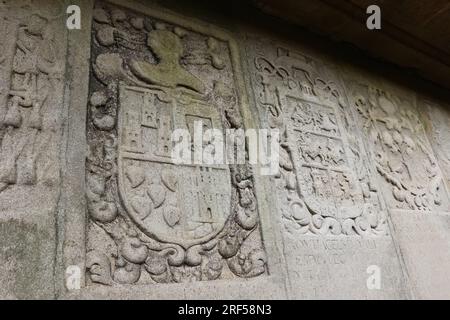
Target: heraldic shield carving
152 220
190 203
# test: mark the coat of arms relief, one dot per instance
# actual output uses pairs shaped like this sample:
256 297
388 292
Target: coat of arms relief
152 220
324 186
336 153
403 157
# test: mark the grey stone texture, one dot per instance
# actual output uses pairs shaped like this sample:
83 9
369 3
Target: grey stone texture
93 206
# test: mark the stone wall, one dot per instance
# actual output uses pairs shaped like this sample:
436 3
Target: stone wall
93 206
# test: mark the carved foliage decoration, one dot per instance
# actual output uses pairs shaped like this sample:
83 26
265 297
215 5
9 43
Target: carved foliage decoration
152 221
31 70
401 152
323 185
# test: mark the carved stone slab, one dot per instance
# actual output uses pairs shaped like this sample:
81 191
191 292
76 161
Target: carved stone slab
334 218
151 220
410 175
92 204
436 117
411 178
31 116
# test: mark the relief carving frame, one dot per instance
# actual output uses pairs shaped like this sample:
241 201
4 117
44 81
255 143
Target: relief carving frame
73 234
32 121
321 247
408 170
410 175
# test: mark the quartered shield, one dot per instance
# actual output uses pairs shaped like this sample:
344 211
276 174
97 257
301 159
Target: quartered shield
175 203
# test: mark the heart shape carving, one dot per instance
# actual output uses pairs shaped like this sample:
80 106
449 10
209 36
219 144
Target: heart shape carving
135 175
169 179
142 206
171 216
157 193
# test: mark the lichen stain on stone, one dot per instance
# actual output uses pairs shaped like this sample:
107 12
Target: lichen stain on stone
24 260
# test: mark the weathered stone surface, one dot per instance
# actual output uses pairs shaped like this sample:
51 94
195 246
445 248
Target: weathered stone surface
92 205
334 221
413 183
32 84
437 119
152 221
